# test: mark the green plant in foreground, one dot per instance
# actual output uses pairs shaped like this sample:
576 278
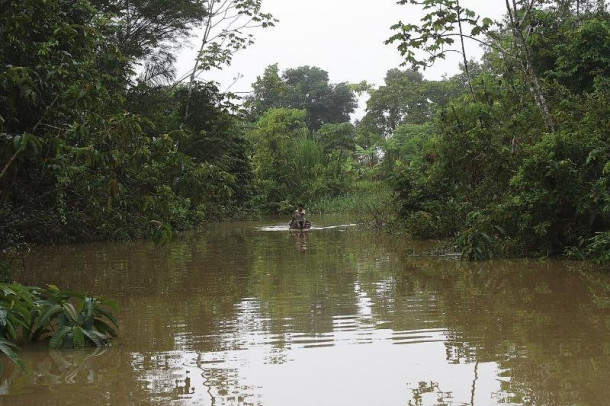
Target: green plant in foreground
10 350
66 319
69 328
17 310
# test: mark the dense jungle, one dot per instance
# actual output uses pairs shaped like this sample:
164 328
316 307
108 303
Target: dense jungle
101 138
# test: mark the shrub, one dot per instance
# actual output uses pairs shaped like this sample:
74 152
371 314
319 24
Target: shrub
31 314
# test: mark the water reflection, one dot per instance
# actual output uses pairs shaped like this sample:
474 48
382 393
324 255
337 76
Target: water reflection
240 315
300 240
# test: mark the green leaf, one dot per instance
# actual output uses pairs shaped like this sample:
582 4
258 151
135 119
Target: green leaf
110 303
104 328
109 316
53 288
70 312
97 338
44 320
8 349
78 337
58 338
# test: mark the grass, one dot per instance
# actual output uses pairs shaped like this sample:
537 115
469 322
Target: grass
370 199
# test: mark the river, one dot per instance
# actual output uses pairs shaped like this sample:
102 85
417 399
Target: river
248 313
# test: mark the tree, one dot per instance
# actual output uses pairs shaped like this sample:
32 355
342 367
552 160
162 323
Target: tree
571 49
519 24
76 162
338 141
405 98
61 86
511 40
585 61
268 92
275 141
223 34
522 23
216 137
494 170
406 146
437 32
306 88
336 137
145 28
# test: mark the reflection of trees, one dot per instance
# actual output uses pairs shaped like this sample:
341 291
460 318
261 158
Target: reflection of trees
538 321
311 290
429 390
188 302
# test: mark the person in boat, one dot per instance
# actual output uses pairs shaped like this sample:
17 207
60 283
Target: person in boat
299 216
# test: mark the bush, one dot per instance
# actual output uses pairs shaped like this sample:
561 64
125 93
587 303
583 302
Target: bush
65 319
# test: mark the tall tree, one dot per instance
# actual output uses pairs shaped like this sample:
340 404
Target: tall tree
307 88
143 26
268 91
405 98
224 34
215 137
337 138
275 140
445 21
149 31
520 24
75 162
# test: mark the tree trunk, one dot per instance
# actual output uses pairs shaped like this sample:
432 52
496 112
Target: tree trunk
525 60
204 41
466 69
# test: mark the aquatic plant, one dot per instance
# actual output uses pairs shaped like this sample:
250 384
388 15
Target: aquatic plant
67 328
31 314
17 308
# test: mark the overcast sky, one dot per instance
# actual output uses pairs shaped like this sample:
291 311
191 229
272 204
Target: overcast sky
343 37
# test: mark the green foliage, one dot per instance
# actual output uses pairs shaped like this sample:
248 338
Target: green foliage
406 146
17 308
598 247
336 137
216 138
560 190
85 153
571 48
162 233
480 240
275 144
10 350
492 171
406 98
31 313
436 34
585 55
69 326
304 88
292 167
370 202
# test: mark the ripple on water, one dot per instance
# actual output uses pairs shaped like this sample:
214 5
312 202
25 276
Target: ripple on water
284 227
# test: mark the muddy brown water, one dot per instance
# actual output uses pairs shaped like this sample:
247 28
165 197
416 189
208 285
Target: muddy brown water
248 313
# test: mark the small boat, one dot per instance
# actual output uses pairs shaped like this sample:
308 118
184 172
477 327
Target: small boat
294 225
